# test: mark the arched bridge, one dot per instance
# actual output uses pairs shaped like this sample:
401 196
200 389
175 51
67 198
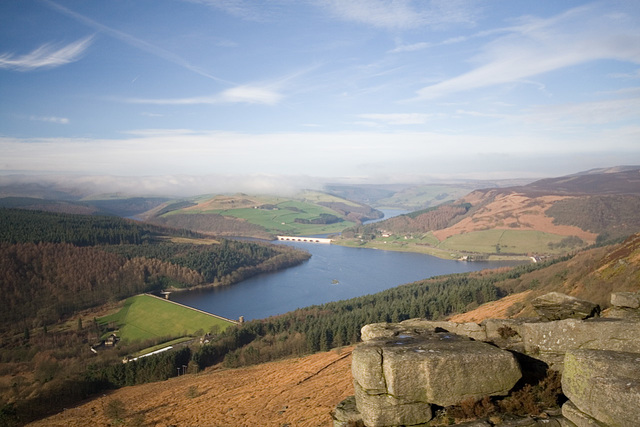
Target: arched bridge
304 239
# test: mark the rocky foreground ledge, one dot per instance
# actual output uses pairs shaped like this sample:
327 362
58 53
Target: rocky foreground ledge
404 373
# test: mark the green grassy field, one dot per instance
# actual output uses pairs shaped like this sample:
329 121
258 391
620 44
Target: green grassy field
320 197
497 244
503 241
282 219
277 215
146 317
424 245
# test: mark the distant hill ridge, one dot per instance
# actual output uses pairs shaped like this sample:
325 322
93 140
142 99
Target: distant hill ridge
546 217
618 180
263 216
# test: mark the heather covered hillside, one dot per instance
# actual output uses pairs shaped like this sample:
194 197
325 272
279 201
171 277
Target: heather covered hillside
547 217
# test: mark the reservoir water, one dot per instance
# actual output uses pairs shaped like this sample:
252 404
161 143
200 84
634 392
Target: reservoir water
332 273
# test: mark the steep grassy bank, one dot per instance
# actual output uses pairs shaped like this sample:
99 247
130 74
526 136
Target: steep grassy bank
145 317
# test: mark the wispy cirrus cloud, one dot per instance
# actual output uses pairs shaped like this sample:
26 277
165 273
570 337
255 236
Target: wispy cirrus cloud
262 92
402 14
245 94
413 47
587 114
634 75
50 119
537 46
388 14
245 9
46 56
135 42
251 95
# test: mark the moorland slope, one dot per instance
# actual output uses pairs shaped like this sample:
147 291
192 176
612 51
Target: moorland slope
302 391
546 217
592 275
295 392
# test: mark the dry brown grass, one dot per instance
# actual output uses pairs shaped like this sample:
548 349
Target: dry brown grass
295 392
500 309
513 212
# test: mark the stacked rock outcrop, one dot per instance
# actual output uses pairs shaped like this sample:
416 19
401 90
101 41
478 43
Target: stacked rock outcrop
625 305
557 306
603 387
397 379
402 371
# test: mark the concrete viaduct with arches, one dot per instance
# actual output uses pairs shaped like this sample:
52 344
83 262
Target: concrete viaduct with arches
303 239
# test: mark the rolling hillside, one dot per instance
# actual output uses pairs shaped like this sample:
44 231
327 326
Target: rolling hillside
302 391
413 197
546 217
592 275
123 206
296 392
308 212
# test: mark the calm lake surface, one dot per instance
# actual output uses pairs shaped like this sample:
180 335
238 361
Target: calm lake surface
333 273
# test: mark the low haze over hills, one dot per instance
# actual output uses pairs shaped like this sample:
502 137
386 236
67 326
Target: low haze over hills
476 219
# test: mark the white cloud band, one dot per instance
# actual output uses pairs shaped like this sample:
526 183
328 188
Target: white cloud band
46 56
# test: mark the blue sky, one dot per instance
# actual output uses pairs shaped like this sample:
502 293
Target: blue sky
333 89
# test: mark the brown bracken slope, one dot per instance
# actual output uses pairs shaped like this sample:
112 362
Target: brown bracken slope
592 275
601 202
606 193
511 211
294 392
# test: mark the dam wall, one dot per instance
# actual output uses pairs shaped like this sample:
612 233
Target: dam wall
304 239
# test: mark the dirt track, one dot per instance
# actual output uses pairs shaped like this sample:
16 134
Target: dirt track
294 392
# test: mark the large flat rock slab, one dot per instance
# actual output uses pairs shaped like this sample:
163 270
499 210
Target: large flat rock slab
558 306
468 329
419 326
433 367
551 340
626 299
604 385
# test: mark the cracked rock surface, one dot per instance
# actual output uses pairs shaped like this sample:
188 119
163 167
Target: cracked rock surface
397 378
